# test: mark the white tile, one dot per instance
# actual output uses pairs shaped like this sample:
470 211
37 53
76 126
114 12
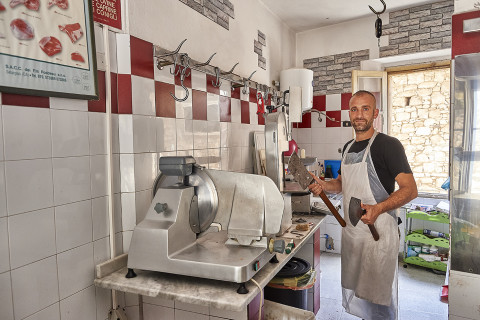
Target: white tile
332 151
201 157
115 134
236 110
101 250
100 217
247 158
133 313
164 75
183 109
143 96
345 115
226 88
214 134
99 39
69 133
318 150
49 313
129 219
3 192
184 134
68 104
184 153
6 304
166 134
71 178
73 224
97 134
245 96
126 239
98 171
200 134
119 243
29 185
145 170
103 299
192 307
116 173
142 204
234 135
112 47
224 156
125 133
199 81
131 299
32 237
159 301
234 159
4 252
316 117
224 134
333 102
2 156
117 212
75 270
318 135
127 176
347 134
229 314
253 113
213 107
305 253
123 54
80 306
26 133
144 134
304 135
153 312
29 281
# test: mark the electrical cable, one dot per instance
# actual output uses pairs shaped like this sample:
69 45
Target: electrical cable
261 299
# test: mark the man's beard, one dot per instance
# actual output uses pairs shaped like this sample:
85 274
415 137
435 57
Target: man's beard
362 127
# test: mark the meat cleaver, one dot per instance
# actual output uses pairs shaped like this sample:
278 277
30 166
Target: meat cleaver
304 178
355 212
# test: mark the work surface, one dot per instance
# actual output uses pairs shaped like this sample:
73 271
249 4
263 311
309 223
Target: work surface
206 292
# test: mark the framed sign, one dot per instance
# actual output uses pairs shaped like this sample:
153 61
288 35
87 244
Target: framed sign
47 48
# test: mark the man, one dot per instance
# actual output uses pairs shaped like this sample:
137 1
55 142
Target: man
371 165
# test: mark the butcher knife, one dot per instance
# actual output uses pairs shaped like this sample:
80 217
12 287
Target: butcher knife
355 212
304 178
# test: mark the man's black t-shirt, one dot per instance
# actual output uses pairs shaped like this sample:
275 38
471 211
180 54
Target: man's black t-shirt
388 156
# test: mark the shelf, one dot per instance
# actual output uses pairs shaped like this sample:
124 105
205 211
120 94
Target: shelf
437 265
417 236
434 216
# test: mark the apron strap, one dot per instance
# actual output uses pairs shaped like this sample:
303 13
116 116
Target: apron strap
367 149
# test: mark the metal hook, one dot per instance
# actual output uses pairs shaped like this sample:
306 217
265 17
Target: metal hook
175 71
182 78
251 75
206 63
245 83
171 53
231 70
265 95
217 83
384 8
185 61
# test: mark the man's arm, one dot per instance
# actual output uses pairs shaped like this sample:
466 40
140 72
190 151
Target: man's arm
334 185
407 191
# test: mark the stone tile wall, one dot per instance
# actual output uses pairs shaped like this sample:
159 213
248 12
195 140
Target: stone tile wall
219 11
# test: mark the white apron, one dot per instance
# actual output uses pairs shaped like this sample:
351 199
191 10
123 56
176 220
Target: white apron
369 267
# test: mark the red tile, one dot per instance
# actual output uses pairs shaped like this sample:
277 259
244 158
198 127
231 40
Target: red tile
306 121
187 82
316 254
261 119
114 92
317 236
268 102
252 97
319 103
346 100
210 87
199 105
316 295
141 53
124 88
464 43
164 103
245 111
337 115
21 100
225 109
100 104
236 93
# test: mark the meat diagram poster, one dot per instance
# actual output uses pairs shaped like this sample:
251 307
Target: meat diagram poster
47 48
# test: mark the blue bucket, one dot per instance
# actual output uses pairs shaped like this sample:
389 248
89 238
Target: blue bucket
335 165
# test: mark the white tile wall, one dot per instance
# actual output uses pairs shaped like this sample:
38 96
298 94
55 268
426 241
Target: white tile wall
4 251
199 80
226 88
2 156
333 102
166 134
142 203
213 107
253 113
127 173
123 53
6 304
3 192
73 223
49 313
200 134
101 250
75 270
97 125
154 312
69 133
236 111
26 133
143 96
98 172
185 315
145 165
100 217
129 219
214 134
184 134
125 133
164 75
183 109
31 236
79 306
144 134
71 178
103 300
68 104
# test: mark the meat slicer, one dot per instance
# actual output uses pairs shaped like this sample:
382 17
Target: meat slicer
208 223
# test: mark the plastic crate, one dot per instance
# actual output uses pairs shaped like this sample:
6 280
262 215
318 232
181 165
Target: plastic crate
278 311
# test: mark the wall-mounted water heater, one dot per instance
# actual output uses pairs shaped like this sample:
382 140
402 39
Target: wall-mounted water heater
302 78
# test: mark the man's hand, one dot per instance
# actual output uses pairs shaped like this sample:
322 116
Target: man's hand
372 213
318 186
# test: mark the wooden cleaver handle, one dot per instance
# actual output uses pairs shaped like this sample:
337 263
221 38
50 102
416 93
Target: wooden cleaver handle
334 211
374 232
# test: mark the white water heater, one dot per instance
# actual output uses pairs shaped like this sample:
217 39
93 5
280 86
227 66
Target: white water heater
302 78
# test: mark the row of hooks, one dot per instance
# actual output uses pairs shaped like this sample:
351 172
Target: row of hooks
182 63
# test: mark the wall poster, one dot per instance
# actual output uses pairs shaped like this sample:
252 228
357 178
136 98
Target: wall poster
47 48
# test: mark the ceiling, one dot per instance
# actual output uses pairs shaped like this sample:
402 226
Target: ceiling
302 15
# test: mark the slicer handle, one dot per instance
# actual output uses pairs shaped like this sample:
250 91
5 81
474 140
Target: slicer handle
374 232
332 209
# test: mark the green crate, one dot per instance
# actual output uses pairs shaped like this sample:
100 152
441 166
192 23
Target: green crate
434 216
437 265
418 236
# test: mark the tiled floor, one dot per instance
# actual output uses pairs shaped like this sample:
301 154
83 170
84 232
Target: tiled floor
418 292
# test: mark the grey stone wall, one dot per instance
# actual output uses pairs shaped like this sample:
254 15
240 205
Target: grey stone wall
333 74
419 29
219 11
258 49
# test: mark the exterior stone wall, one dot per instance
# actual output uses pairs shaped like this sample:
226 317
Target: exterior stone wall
419 29
333 74
420 120
219 11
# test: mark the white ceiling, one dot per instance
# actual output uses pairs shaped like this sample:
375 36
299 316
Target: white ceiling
302 15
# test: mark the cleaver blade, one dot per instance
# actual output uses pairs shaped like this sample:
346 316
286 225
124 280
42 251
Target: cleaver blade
355 213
